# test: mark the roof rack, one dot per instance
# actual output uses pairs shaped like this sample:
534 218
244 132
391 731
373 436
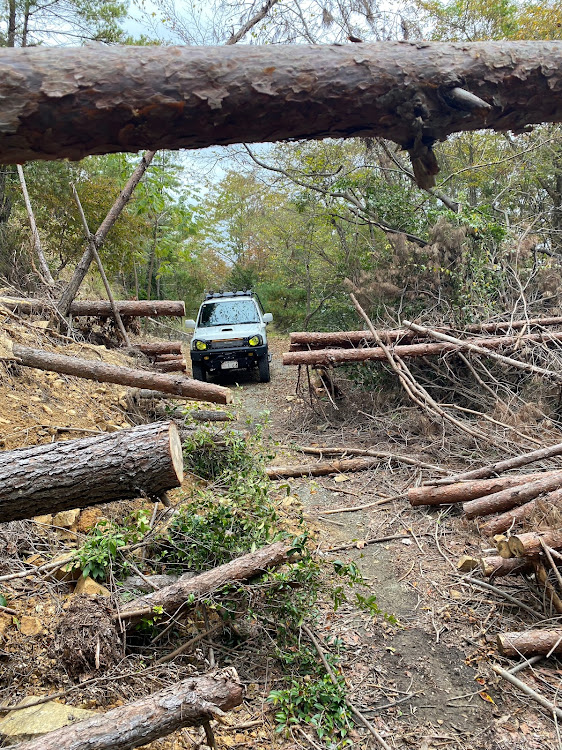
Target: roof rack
240 293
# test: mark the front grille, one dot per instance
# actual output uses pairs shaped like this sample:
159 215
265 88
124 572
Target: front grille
227 344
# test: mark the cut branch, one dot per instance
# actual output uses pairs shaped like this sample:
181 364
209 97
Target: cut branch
190 703
74 102
321 469
530 642
145 460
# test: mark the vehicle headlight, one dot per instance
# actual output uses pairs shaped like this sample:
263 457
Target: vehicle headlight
200 345
254 341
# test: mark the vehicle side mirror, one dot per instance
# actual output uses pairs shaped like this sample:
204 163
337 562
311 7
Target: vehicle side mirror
190 323
268 318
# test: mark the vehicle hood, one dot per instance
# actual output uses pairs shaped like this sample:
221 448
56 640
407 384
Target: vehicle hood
225 333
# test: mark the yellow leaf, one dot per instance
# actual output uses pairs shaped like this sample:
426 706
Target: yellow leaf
341 478
486 697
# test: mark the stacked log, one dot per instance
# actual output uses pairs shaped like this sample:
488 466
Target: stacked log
165 356
100 308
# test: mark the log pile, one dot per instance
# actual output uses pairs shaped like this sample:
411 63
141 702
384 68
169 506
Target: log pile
165 356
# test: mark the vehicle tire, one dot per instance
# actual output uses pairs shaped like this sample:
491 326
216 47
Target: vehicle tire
198 372
263 365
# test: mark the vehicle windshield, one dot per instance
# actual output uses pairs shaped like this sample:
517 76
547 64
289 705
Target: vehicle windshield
225 313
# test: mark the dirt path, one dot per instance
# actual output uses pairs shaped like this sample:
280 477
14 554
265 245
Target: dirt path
432 665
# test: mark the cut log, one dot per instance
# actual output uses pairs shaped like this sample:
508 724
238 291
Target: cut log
321 469
145 460
106 373
168 357
190 703
65 104
495 566
100 308
408 460
501 466
529 544
160 347
470 490
502 545
177 365
467 563
515 516
528 642
170 598
302 340
512 496
331 357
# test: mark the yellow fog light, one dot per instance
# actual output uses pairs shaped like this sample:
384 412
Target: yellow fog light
254 341
200 346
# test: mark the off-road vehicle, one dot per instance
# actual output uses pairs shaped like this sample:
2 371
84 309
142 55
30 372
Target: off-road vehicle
230 334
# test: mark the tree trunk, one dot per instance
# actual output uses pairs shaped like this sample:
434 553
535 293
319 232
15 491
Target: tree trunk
512 496
167 357
105 373
530 642
516 516
68 103
385 455
495 566
321 469
171 598
329 357
45 270
500 466
113 214
145 460
529 544
302 340
469 490
102 308
177 365
189 703
160 347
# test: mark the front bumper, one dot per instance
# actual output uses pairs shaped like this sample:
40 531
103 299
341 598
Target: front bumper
246 357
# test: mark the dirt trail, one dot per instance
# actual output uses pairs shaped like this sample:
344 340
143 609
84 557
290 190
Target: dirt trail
432 664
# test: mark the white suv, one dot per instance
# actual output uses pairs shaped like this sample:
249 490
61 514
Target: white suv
230 334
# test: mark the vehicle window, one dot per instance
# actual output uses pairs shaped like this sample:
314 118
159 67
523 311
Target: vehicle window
228 313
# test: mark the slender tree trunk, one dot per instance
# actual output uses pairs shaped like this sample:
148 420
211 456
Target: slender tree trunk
46 273
82 268
12 23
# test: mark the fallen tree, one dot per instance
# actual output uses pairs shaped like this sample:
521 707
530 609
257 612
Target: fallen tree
171 598
190 703
321 469
106 373
302 340
509 498
530 642
68 103
142 461
332 357
100 308
470 490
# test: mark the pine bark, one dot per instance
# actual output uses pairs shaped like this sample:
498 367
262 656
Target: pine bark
529 544
106 373
170 598
102 308
189 703
145 460
68 103
154 348
470 490
528 642
496 566
302 340
330 357
516 516
321 469
176 365
512 496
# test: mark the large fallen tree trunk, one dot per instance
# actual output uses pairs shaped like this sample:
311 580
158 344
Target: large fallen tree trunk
499 467
74 102
141 461
512 496
330 357
170 598
321 469
106 373
190 703
469 490
102 308
530 642
302 340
